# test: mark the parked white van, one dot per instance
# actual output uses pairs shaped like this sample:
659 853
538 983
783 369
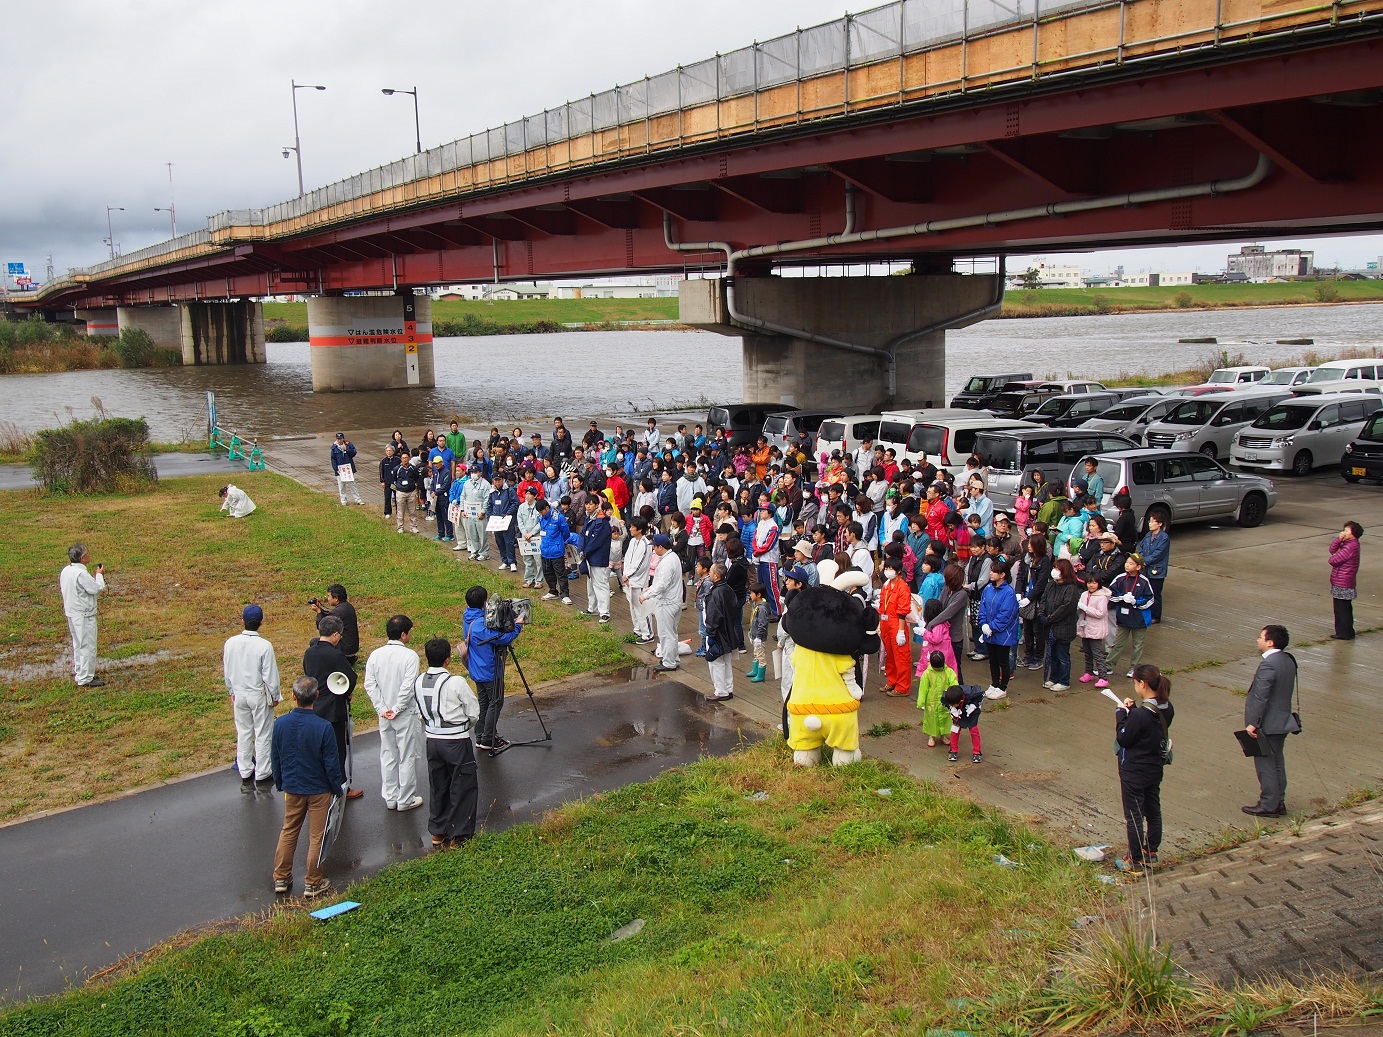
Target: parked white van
949 442
1299 434
1236 375
1208 423
1288 376
1338 370
895 426
1354 385
846 433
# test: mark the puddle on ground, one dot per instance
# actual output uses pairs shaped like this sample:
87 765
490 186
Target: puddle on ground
61 666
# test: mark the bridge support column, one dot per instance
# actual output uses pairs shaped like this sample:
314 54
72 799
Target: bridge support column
370 342
163 324
213 333
908 315
99 322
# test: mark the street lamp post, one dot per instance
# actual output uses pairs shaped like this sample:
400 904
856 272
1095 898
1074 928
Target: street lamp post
172 209
110 230
417 127
297 148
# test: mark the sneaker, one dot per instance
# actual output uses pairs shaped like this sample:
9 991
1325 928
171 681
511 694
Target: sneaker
457 547
722 698
313 890
282 886
977 758
995 693
482 745
1129 867
604 619
566 601
952 757
585 612
411 804
1047 685
548 597
1130 672
500 744
1036 664
977 656
247 785
1103 682
664 669
513 568
1060 687
399 530
264 785
1086 678
501 566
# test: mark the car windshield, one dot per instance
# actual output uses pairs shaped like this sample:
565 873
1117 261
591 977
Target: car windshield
1280 378
719 416
833 431
1328 374
999 452
926 439
1224 374
1284 418
1007 401
1192 412
1124 411
1055 406
1373 431
976 384
775 426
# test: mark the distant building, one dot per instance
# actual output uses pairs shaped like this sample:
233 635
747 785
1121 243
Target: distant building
519 290
608 291
1049 275
1261 265
469 292
1158 280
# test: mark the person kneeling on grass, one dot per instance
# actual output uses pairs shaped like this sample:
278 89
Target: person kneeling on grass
485 652
449 710
307 771
236 501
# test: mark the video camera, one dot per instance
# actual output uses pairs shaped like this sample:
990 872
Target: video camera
502 615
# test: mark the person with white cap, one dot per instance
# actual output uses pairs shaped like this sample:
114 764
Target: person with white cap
252 679
664 597
343 467
79 589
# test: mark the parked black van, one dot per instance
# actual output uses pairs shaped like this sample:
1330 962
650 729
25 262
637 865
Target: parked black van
743 422
981 388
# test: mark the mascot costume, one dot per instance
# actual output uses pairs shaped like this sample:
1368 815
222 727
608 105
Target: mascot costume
831 627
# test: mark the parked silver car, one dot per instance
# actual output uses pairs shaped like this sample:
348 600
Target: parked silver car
1132 416
1181 486
1209 423
1298 435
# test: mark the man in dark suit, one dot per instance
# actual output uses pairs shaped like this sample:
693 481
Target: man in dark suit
1268 718
323 658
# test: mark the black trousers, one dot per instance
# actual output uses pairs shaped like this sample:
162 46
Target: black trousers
555 573
1344 618
1142 795
999 671
453 790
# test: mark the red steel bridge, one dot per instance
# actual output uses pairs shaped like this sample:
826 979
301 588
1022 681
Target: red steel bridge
948 128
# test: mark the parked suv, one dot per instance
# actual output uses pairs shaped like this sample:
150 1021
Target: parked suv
1182 486
1130 417
981 388
846 433
1069 411
1012 455
1297 435
742 422
1363 458
949 442
784 430
1237 375
1209 423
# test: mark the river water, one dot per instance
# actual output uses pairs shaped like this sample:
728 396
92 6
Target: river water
495 380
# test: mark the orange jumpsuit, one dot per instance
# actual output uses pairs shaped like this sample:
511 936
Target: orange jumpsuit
895 602
760 458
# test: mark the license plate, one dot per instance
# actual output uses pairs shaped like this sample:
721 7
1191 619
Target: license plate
1358 471
1250 457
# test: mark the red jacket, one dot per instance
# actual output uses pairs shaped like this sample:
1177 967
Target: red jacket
1344 562
936 520
704 525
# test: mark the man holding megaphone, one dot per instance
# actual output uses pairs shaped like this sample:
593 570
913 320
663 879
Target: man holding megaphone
336 678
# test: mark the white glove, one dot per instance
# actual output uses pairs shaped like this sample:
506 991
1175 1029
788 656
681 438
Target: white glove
920 630
901 638
988 631
1022 602
1130 598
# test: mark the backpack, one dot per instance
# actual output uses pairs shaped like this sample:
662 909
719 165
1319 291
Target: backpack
405 479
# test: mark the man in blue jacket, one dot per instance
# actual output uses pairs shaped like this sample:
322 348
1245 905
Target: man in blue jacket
594 545
553 550
343 467
485 652
307 771
505 502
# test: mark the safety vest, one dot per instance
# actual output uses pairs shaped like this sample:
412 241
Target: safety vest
428 692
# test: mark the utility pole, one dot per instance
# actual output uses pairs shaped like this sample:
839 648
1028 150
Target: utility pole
172 209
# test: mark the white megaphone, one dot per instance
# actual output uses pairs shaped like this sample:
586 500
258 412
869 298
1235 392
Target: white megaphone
338 683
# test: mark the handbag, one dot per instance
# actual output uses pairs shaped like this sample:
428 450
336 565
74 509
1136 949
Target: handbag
1295 729
1028 612
1166 738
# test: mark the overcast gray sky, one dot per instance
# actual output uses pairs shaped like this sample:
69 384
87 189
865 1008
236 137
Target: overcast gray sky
99 95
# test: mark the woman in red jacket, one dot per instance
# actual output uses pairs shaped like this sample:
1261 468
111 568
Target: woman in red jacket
1344 577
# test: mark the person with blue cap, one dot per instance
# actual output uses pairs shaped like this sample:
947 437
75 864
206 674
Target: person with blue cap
252 680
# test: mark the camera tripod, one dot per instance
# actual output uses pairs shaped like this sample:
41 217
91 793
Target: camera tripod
547 735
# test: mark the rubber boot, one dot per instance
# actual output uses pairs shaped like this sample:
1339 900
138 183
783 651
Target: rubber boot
753 671
760 672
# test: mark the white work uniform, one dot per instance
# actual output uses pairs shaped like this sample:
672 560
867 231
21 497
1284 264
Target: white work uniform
390 673
237 502
636 558
79 590
252 678
665 595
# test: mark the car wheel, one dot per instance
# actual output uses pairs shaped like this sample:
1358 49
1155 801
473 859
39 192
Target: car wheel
1302 463
1349 478
1209 451
1252 509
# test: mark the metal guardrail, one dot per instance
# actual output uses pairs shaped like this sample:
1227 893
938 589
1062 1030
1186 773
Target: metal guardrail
979 44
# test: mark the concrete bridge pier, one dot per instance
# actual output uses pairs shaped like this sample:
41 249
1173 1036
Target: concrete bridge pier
370 342
213 333
852 344
163 324
99 322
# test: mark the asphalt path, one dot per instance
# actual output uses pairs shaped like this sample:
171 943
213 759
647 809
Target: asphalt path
86 887
168 466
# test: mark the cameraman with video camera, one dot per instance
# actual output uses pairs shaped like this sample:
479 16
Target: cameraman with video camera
486 648
337 605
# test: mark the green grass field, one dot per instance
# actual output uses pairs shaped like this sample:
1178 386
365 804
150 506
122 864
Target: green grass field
520 311
178 574
1064 301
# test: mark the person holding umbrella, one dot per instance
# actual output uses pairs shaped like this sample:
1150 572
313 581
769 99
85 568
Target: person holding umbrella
307 771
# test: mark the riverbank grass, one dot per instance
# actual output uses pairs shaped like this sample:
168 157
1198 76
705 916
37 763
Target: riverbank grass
178 574
822 907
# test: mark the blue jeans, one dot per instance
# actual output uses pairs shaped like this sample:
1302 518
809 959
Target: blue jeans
444 524
506 541
1058 668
